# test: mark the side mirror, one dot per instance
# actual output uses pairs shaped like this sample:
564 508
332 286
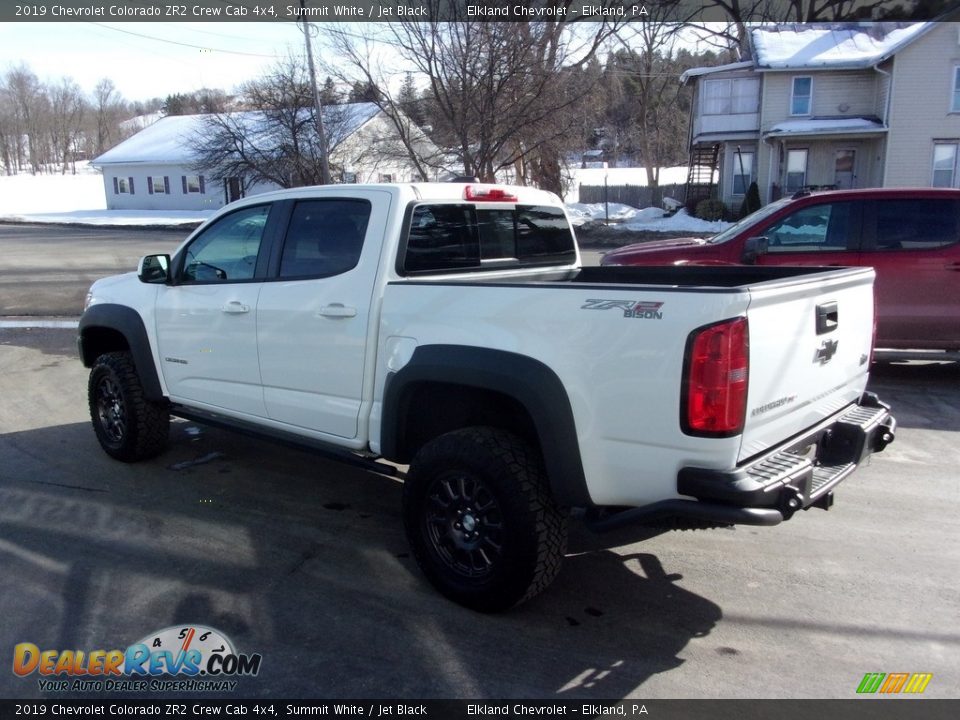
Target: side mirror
154 269
752 249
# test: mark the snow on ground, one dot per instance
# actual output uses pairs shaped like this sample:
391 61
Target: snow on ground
649 219
80 199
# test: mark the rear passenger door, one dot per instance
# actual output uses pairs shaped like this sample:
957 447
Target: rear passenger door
314 313
914 246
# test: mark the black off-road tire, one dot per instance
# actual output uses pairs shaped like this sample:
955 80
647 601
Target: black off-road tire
480 518
128 426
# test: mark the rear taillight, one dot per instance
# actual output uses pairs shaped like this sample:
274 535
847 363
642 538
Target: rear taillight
488 194
715 379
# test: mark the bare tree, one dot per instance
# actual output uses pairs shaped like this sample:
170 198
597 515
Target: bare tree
107 105
494 91
28 101
67 110
645 75
275 139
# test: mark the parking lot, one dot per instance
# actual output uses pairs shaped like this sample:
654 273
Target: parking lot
304 561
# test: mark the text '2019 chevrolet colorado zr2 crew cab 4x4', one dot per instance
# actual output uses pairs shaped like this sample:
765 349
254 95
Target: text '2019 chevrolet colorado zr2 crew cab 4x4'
451 327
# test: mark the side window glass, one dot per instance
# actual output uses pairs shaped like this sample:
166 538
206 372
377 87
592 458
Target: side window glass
324 238
919 224
815 228
442 237
227 250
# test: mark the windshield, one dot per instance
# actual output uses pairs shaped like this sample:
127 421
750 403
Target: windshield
751 219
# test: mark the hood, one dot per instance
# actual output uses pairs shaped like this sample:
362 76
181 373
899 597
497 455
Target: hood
642 249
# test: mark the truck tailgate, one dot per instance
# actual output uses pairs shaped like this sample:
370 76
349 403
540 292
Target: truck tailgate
810 346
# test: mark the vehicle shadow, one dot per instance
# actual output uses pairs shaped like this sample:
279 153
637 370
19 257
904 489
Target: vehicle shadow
921 394
305 562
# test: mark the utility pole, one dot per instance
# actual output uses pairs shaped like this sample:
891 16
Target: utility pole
317 106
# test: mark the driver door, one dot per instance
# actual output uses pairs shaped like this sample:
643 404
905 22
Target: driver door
825 233
206 320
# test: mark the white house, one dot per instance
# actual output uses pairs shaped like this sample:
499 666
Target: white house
156 169
842 105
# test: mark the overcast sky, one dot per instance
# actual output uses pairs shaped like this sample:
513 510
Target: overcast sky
147 60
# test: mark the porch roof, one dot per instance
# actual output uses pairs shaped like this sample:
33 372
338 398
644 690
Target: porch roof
827 126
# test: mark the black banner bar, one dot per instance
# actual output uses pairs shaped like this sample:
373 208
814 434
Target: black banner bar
872 708
468 10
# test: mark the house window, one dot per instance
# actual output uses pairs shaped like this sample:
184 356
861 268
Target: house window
955 97
742 172
158 185
123 186
801 96
193 184
944 164
796 170
735 96
386 177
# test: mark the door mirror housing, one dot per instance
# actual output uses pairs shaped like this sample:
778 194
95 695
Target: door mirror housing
154 269
752 249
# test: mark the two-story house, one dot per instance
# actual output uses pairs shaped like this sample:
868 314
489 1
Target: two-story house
832 105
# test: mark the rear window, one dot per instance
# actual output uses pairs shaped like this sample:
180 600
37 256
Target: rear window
918 224
452 237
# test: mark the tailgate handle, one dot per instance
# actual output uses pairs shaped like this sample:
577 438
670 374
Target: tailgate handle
828 318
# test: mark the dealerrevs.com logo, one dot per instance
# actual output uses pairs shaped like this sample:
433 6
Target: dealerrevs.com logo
180 658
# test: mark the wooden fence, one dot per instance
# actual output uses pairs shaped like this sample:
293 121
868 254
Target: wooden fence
637 196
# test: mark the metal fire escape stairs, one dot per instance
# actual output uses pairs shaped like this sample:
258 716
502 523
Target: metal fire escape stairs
701 173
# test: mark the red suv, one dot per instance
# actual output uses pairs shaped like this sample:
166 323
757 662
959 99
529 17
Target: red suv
911 237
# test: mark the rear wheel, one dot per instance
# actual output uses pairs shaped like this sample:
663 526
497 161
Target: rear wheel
479 517
128 426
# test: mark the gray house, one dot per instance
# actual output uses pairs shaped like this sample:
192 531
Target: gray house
155 169
832 105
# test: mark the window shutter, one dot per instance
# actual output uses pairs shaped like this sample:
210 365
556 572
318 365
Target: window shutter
203 189
166 185
149 185
116 186
184 179
131 185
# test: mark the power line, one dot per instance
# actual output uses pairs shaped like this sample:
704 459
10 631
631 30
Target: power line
183 44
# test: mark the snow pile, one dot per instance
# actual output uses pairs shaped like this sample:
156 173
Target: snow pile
582 212
681 222
651 219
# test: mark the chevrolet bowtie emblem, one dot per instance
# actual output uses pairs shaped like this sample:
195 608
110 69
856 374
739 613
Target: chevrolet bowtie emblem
826 351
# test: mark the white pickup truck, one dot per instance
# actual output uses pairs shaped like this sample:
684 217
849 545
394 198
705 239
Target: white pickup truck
451 327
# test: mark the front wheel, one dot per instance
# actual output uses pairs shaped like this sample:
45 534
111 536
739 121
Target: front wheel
480 519
128 426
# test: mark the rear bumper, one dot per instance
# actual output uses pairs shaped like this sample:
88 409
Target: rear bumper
770 489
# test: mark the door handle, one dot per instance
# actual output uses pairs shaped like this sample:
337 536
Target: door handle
954 266
337 310
235 307
828 318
